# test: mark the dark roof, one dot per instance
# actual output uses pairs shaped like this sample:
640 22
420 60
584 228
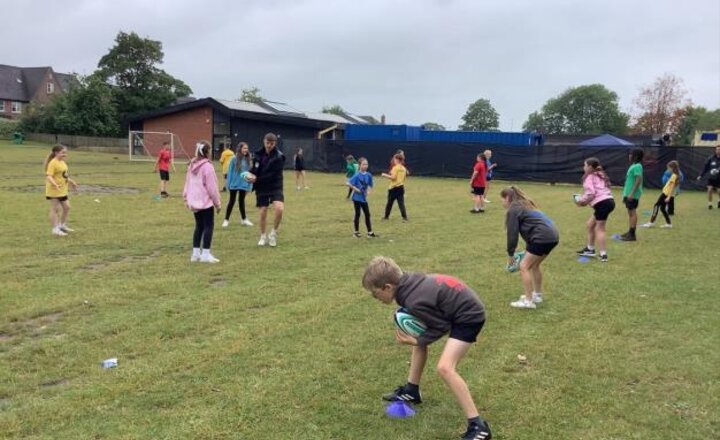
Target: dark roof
263 114
21 83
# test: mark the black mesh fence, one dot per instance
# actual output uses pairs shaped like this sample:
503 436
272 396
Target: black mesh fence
549 163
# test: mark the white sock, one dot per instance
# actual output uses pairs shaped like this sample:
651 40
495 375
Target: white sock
196 252
206 252
591 248
603 253
537 293
273 231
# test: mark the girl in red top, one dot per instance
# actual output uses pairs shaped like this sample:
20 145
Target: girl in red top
477 184
163 166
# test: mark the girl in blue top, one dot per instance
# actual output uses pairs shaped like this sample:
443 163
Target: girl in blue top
360 185
239 182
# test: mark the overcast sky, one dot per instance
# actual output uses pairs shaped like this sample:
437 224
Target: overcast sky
415 61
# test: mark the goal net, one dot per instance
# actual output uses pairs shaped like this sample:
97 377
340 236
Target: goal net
145 145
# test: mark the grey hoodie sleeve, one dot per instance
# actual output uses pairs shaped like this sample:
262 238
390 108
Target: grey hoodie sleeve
512 224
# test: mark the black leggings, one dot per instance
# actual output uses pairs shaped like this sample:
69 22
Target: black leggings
366 210
660 205
241 203
204 224
397 193
350 190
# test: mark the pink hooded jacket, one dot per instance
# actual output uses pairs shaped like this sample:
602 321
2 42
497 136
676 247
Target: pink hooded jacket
594 190
201 189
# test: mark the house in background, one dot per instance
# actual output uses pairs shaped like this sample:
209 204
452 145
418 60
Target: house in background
21 86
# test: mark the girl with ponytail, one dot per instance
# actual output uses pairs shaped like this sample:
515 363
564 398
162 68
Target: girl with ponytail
597 194
57 182
666 196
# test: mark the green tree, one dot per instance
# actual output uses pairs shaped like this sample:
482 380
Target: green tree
251 95
696 118
139 85
590 109
480 116
333 110
433 126
86 109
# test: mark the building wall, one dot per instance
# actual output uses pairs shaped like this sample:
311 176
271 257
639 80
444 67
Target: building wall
41 95
7 113
190 126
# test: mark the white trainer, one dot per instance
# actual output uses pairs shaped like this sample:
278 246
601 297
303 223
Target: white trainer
523 303
246 222
272 239
208 258
263 240
537 297
225 224
65 228
666 226
647 225
58 232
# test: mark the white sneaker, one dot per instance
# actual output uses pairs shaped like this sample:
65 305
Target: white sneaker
487 201
298 188
194 258
647 225
225 224
263 240
246 222
523 303
65 228
537 298
58 232
666 226
272 239
307 187
208 258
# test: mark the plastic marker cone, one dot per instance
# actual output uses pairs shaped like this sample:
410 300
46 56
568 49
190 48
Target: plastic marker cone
616 237
583 259
399 410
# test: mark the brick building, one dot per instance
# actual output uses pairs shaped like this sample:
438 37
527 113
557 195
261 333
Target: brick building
20 86
230 122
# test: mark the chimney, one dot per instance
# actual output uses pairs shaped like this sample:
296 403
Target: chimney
382 119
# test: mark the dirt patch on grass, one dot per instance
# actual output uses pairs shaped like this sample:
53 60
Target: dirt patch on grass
81 189
120 259
218 282
54 383
4 337
33 327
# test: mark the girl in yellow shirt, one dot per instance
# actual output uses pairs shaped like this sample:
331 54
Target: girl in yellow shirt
666 196
57 181
397 187
225 159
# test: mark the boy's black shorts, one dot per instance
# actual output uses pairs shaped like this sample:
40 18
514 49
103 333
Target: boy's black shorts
478 190
59 199
540 249
466 332
603 209
265 200
164 175
631 204
713 183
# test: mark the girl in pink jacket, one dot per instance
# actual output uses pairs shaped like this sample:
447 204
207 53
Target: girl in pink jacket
203 199
596 193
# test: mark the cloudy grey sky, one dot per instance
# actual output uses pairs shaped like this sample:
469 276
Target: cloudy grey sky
412 60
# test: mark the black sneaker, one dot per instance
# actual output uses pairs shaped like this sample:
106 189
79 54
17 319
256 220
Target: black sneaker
585 252
628 237
603 258
477 432
718 205
372 235
356 234
709 206
402 395
474 211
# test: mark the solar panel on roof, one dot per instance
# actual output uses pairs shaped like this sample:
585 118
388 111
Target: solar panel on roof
283 108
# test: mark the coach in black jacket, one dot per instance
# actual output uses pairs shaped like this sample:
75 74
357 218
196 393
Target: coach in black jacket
268 164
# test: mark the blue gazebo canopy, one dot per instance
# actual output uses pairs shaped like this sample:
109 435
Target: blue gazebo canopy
606 140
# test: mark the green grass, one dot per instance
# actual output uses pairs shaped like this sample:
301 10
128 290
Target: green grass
283 343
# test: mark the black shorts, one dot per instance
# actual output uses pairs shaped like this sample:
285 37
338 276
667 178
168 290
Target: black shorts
164 175
713 183
478 190
489 177
59 199
299 169
265 200
540 249
631 204
603 209
466 332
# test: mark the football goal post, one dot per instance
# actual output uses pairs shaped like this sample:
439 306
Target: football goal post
145 145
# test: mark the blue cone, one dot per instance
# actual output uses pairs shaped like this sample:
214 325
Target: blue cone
399 410
616 237
583 259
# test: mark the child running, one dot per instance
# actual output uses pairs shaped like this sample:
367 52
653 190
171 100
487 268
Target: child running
666 196
201 196
351 168
238 183
299 161
397 188
225 158
163 166
632 191
540 235
445 305
597 194
57 181
478 180
681 178
361 184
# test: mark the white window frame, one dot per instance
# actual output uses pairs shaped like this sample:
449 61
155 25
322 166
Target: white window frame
16 107
50 88
2 106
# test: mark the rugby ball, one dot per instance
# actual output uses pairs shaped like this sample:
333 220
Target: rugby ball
409 324
714 171
515 266
248 176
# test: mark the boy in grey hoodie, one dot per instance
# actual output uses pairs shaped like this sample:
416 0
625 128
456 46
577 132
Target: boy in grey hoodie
445 305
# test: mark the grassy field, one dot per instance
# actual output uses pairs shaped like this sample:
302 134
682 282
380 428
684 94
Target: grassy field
284 344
